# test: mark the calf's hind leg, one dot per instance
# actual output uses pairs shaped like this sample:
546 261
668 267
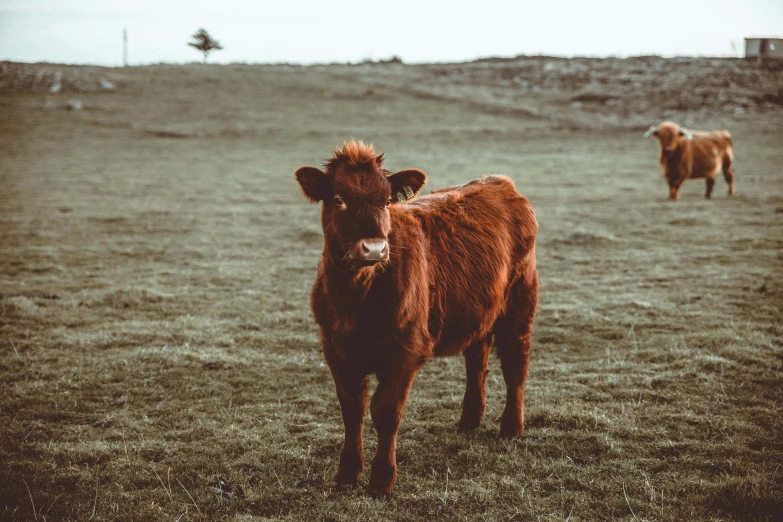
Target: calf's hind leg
512 338
728 173
476 358
710 184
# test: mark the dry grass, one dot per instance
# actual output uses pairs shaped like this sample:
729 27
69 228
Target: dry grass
156 336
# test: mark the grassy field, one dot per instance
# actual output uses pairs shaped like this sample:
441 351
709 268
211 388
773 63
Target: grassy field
156 259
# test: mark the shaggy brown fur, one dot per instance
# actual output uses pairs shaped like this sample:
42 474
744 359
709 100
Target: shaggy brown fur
693 155
400 283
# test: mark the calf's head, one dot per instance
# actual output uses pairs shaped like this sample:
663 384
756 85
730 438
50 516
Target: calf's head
357 193
669 134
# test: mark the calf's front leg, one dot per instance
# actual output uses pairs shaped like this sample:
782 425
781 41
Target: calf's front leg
674 190
352 393
387 406
474 403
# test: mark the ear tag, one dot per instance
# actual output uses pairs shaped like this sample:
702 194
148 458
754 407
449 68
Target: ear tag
405 194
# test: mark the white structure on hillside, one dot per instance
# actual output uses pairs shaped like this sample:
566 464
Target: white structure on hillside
763 48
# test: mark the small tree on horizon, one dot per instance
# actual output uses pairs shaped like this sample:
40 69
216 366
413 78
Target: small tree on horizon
204 42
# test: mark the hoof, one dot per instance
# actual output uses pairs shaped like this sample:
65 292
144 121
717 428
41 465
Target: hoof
382 481
511 429
379 494
346 486
465 426
346 481
348 472
511 434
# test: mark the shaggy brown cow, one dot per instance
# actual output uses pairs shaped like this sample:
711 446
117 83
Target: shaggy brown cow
403 281
693 155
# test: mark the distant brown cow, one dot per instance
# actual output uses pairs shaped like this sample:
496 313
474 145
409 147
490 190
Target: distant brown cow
693 155
403 281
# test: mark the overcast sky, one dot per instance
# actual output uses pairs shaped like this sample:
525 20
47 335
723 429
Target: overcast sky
307 31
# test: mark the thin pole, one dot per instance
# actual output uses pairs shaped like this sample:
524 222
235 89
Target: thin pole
125 47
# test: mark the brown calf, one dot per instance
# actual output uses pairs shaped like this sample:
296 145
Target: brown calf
693 155
403 281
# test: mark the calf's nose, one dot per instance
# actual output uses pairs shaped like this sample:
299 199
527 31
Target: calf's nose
374 250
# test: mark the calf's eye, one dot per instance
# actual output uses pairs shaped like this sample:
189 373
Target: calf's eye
388 203
338 201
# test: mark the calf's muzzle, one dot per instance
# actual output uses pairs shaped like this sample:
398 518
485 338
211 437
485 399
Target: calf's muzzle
371 251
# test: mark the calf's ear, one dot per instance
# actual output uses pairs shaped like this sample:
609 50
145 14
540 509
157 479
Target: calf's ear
313 183
652 131
406 184
684 132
